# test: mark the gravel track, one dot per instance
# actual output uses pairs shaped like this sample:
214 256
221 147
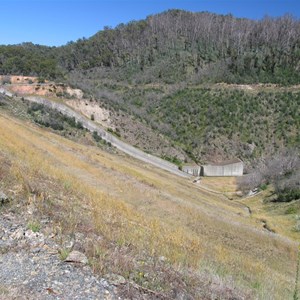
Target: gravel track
92 126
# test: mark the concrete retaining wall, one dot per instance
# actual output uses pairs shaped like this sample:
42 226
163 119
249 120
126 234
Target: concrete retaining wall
192 170
234 169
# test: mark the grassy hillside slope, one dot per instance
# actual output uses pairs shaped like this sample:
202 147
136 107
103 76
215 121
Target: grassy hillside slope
145 221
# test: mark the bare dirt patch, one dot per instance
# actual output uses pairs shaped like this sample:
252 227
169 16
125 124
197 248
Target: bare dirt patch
47 90
92 110
19 79
29 85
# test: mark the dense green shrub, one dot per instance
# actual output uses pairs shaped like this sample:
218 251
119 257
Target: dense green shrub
49 117
97 137
173 159
288 195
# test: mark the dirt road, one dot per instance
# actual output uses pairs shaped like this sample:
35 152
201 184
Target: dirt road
92 126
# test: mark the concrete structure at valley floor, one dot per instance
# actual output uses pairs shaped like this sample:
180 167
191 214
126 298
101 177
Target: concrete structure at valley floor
233 167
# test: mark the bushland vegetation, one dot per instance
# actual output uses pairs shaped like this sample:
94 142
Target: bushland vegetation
171 47
209 121
281 170
51 118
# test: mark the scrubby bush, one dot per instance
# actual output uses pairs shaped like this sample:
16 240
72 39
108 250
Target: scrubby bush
282 170
52 118
291 210
79 125
173 159
114 132
288 195
41 80
96 136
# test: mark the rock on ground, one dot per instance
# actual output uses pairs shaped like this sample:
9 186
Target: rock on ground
30 268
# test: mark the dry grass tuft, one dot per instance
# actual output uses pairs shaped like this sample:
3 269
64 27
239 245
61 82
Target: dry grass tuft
155 229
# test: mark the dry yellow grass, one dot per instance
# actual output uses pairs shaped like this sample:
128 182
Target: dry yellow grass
220 184
274 214
129 202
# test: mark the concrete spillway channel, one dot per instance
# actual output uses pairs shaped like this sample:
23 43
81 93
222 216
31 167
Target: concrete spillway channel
92 126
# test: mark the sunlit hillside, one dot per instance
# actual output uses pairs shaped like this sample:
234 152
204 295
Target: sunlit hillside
141 220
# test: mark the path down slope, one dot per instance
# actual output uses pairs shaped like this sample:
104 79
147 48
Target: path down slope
92 126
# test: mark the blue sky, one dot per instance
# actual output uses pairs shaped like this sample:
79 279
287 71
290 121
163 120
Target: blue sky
55 22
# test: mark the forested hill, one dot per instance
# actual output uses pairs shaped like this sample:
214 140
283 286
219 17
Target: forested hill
171 47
